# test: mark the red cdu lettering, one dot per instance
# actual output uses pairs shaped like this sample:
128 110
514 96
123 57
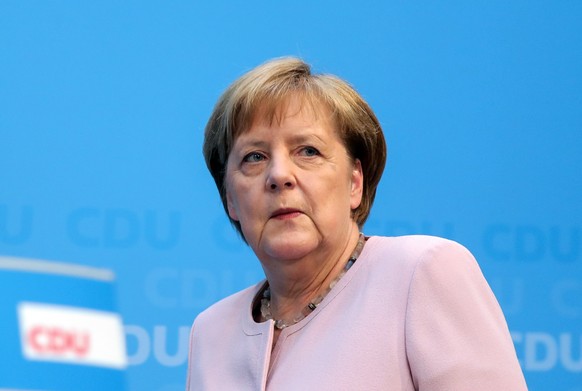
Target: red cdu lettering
57 341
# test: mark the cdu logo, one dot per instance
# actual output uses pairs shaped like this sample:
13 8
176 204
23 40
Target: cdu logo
123 228
58 341
71 335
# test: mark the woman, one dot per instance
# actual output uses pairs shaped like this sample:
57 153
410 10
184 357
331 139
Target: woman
296 158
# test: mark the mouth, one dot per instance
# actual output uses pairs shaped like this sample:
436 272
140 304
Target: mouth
285 213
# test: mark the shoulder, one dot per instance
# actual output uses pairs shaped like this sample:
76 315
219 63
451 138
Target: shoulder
224 309
216 340
418 251
413 243
456 334
403 266
217 325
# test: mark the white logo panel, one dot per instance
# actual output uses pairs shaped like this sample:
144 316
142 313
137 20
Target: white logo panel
72 335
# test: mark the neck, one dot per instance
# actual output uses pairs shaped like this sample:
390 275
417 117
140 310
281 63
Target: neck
296 285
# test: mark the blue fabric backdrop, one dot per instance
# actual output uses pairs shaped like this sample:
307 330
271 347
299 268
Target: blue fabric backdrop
103 104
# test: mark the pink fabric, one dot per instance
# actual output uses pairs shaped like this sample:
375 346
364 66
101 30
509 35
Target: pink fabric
413 313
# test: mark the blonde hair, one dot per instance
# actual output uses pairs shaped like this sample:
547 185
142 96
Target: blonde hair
265 90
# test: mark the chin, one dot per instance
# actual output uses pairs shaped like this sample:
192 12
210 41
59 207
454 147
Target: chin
289 245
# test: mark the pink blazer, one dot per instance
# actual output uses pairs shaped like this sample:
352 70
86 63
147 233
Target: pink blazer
413 313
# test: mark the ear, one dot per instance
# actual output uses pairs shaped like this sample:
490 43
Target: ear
357 189
230 206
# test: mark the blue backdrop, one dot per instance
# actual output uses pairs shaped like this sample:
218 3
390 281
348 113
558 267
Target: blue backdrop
103 105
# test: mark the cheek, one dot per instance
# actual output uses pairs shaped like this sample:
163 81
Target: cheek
330 196
231 206
231 198
241 201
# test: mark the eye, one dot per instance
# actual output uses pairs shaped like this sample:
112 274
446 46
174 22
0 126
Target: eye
254 157
310 151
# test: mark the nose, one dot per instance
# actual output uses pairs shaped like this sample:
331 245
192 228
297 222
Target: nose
280 174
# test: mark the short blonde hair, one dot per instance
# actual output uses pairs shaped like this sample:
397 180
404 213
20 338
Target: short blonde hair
267 88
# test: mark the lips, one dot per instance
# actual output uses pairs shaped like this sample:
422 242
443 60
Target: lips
285 213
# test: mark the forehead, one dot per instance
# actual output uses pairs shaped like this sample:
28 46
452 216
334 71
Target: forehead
302 109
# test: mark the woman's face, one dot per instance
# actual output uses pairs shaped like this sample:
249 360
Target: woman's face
292 185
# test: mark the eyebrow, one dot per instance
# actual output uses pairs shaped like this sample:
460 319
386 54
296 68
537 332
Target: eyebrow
252 143
294 139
